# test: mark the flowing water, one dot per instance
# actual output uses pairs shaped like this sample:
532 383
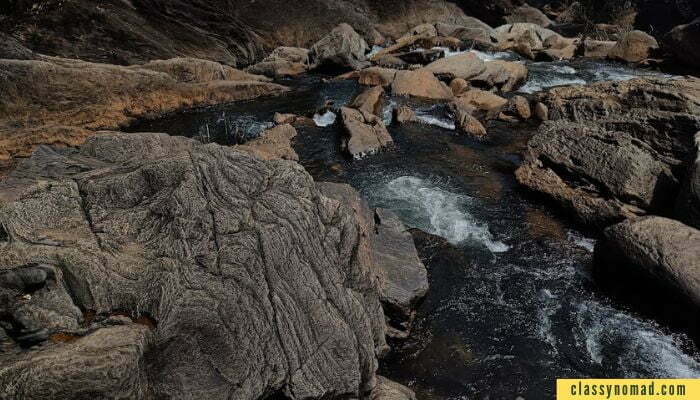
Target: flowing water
512 303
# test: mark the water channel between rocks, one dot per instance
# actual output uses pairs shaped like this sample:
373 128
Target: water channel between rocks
512 305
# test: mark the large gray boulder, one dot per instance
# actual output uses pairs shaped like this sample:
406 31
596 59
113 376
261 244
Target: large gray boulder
342 48
229 277
662 249
688 207
614 151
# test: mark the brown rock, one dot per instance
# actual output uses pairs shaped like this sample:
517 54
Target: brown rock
273 144
390 390
281 119
482 101
465 66
278 68
341 48
503 75
634 47
420 83
423 30
377 76
541 111
459 86
365 133
467 123
597 48
369 101
520 106
404 114
526 13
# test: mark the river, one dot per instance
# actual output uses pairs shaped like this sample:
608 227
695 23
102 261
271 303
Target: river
512 302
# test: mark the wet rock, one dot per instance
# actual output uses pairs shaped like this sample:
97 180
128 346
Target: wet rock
343 48
541 111
404 114
369 101
597 48
634 47
465 66
505 76
198 237
459 86
365 133
403 279
273 144
662 249
420 83
529 14
486 103
683 41
377 76
390 390
688 205
421 57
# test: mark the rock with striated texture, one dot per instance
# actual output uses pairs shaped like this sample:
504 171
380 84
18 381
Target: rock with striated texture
342 48
198 238
664 251
365 133
420 83
634 47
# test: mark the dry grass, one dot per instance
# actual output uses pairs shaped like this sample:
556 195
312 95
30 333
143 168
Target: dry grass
62 101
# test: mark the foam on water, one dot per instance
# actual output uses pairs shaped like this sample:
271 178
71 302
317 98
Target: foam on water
500 55
581 241
536 84
433 116
437 211
648 351
326 119
375 49
387 112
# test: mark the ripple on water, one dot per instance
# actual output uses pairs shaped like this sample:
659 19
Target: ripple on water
424 205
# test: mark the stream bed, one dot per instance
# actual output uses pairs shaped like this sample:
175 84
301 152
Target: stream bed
512 305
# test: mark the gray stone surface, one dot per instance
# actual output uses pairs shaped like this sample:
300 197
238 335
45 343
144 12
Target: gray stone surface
256 282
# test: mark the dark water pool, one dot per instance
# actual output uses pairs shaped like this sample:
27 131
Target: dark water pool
512 304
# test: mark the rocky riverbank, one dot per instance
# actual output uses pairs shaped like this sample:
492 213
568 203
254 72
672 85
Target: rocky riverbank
144 265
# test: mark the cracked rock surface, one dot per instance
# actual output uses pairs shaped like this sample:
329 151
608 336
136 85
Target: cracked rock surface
164 268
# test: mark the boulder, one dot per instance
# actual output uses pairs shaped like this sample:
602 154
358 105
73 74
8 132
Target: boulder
449 42
664 251
365 133
292 54
597 48
683 41
634 47
390 390
377 76
486 103
459 86
471 31
273 144
342 48
402 45
541 111
188 240
402 277
466 122
420 83
613 151
369 100
567 53
278 68
533 36
423 30
465 66
404 114
505 76
520 107
529 14
688 205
